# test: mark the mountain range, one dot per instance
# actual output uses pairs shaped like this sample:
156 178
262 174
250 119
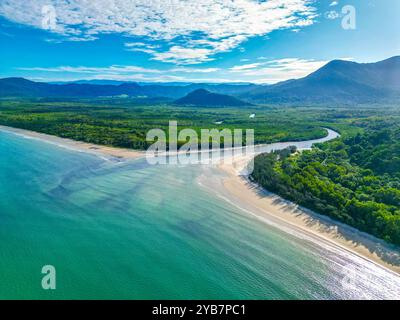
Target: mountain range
337 82
20 87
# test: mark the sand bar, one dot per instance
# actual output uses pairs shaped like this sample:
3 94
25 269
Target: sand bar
247 195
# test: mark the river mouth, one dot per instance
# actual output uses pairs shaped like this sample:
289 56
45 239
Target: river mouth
128 230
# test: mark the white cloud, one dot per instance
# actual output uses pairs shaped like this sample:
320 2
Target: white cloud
178 54
141 47
195 30
283 69
195 70
265 71
148 51
135 44
126 77
134 77
245 67
333 3
198 50
117 70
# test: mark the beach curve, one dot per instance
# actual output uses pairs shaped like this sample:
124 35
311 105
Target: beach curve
257 202
268 207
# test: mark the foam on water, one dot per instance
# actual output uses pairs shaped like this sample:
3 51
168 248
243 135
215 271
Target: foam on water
137 231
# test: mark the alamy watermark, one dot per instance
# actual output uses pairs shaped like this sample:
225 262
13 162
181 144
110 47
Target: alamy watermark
49 278
211 147
49 19
347 14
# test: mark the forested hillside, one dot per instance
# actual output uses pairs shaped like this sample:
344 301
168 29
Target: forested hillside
354 179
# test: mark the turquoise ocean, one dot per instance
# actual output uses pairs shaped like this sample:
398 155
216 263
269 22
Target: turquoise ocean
129 230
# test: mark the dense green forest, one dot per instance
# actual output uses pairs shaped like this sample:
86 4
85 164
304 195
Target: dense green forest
125 123
354 179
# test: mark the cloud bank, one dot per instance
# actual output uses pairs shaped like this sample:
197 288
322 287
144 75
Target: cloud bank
176 31
271 71
274 71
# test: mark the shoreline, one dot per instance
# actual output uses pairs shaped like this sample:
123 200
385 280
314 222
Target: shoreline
263 205
99 150
267 206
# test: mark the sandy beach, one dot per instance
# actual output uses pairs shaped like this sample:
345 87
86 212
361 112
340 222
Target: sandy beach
100 150
266 206
263 205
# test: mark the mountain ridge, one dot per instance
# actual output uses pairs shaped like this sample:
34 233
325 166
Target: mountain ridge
337 82
21 87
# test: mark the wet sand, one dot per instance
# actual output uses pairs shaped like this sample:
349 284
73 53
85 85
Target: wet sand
263 205
78 145
267 206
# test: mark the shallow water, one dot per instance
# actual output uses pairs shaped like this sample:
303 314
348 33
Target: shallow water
124 230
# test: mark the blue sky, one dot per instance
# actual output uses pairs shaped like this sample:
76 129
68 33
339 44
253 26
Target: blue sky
191 41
